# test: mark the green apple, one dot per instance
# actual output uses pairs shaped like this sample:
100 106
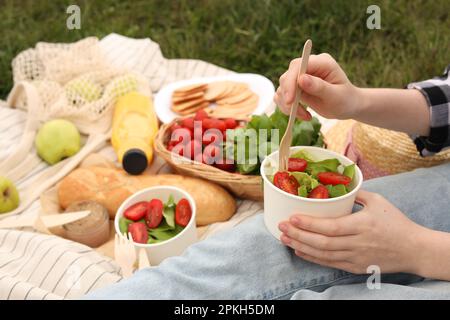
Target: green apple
9 197
84 88
124 84
56 140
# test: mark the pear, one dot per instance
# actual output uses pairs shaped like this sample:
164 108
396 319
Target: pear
9 197
56 140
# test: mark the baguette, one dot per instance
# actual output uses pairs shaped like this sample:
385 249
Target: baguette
110 187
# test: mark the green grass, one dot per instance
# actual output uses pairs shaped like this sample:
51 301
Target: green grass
250 35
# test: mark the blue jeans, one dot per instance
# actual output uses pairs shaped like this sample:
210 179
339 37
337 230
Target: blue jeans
247 262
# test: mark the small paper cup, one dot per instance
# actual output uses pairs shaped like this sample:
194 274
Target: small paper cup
175 246
280 206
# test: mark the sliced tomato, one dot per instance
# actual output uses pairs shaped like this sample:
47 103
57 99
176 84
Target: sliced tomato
183 212
286 182
154 214
200 115
138 232
230 123
136 211
280 175
333 178
295 164
319 192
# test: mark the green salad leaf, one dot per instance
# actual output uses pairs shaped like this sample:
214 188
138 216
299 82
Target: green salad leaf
349 171
305 179
302 154
304 133
330 165
164 234
336 191
169 212
303 191
123 225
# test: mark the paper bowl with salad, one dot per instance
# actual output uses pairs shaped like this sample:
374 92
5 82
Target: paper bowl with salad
160 219
319 183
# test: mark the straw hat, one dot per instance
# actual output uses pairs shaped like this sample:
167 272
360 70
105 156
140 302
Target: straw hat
378 152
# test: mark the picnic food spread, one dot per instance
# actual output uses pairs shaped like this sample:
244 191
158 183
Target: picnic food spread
134 129
110 187
230 99
154 221
314 179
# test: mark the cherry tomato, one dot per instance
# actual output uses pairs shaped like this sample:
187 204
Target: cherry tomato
319 192
195 148
230 123
295 164
230 167
188 123
286 182
183 212
212 136
154 214
178 149
138 232
212 123
211 153
333 178
175 126
136 211
180 135
200 115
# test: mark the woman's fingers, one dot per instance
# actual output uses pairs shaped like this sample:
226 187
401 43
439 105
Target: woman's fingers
343 226
314 252
316 240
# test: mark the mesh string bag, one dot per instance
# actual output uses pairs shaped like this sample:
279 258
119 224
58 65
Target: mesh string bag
63 81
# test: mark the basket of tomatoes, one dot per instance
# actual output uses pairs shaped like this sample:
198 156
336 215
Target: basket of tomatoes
195 146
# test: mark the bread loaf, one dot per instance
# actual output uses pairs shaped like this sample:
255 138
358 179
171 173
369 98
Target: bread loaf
110 187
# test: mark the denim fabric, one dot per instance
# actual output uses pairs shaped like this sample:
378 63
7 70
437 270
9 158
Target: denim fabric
246 262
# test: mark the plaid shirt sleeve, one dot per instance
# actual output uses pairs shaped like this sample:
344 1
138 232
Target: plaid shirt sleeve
437 94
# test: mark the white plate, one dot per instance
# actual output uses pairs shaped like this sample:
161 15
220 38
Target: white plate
260 85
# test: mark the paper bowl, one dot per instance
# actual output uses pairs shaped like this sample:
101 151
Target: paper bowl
280 206
175 246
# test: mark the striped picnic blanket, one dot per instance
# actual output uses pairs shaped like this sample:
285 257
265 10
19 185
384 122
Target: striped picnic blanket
38 266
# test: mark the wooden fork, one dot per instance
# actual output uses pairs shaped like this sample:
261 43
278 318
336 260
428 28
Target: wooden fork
286 141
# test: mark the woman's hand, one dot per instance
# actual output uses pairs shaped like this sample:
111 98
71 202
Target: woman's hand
379 235
325 88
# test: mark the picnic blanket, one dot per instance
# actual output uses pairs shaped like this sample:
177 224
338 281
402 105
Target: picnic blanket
39 266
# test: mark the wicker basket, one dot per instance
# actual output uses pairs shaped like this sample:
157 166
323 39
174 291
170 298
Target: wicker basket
243 186
389 151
